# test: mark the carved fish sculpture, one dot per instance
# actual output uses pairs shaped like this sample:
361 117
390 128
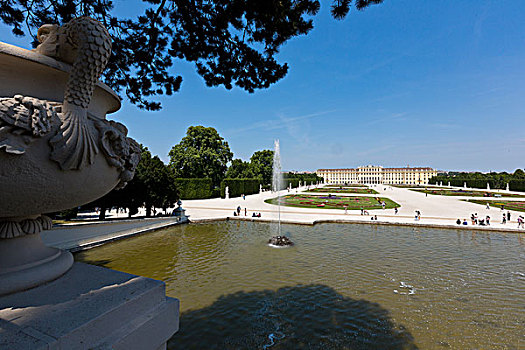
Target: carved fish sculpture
86 45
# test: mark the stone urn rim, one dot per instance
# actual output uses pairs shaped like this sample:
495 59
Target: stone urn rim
29 55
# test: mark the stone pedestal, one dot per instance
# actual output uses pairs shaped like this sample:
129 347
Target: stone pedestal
89 307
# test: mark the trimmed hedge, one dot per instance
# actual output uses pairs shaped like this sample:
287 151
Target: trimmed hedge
295 181
194 188
472 183
288 182
517 185
237 187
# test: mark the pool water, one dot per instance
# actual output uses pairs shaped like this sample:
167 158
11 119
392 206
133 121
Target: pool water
341 286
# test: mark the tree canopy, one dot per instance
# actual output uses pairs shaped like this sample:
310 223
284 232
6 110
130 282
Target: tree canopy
232 42
157 180
261 163
239 169
201 153
260 166
152 186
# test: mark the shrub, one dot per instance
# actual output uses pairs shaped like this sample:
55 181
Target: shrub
517 185
194 188
237 187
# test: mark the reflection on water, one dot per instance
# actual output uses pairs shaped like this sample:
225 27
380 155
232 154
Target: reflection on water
340 286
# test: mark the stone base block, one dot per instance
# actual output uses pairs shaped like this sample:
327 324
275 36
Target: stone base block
89 307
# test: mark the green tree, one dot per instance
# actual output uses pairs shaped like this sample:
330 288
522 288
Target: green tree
261 164
201 153
157 181
239 169
519 174
152 186
230 42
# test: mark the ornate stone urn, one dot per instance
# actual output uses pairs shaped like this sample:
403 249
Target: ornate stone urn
57 150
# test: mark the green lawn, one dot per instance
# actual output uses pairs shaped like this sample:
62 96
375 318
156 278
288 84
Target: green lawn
344 190
411 186
349 185
467 193
333 202
509 205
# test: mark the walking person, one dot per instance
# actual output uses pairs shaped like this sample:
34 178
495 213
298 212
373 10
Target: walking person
504 221
245 212
508 216
395 210
488 206
487 219
346 209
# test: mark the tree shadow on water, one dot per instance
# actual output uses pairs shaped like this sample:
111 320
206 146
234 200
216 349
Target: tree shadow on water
299 317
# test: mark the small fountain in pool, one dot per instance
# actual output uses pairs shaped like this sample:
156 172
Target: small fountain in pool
279 240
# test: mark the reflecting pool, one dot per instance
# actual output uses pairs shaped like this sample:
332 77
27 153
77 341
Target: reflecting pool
341 286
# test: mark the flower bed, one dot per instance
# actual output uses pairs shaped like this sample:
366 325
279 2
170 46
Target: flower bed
350 203
467 193
508 205
344 190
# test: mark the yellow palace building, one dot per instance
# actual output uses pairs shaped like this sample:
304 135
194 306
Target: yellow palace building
372 174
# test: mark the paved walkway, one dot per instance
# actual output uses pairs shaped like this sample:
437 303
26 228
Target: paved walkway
436 211
83 236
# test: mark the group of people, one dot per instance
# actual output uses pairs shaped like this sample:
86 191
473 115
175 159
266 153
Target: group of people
364 212
486 222
237 212
506 218
475 220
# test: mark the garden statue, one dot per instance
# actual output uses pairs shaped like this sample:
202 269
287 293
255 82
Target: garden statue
57 150
227 192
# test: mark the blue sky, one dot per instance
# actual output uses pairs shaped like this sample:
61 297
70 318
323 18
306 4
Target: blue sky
437 83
